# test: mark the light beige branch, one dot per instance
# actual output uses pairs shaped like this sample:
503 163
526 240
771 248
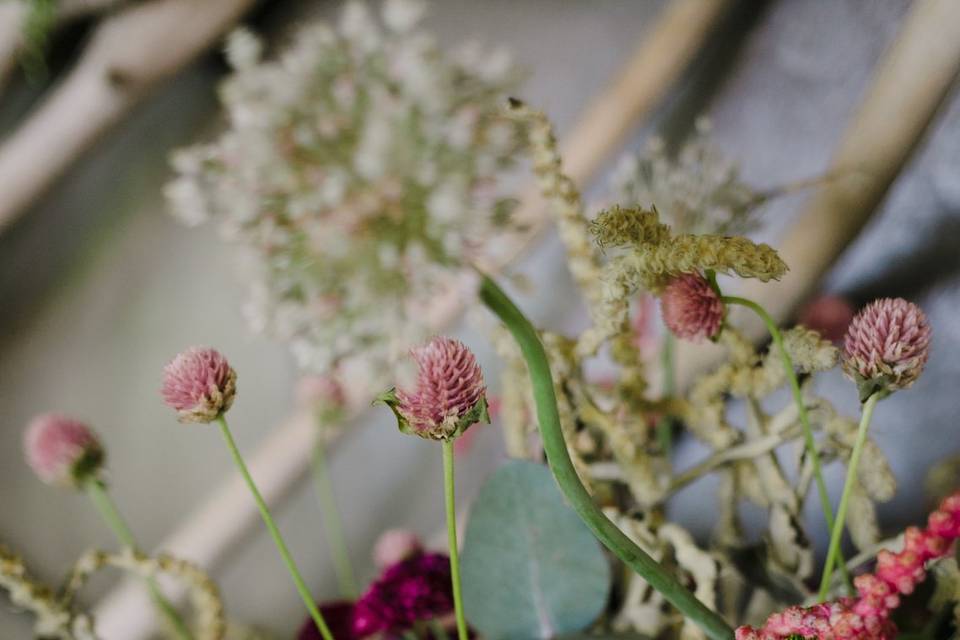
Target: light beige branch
909 85
128 55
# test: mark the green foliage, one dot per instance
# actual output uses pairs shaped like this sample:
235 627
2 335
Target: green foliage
40 20
531 568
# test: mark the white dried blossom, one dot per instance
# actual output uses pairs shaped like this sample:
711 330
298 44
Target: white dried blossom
360 172
697 191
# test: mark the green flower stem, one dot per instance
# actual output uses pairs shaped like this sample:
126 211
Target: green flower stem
665 424
833 551
559 460
809 441
332 522
452 538
105 505
274 532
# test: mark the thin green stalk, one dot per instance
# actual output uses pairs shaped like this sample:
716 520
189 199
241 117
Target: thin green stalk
105 505
274 532
332 522
559 460
665 424
833 551
809 441
447 446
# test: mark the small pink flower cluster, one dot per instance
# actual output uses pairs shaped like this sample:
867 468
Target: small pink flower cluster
868 616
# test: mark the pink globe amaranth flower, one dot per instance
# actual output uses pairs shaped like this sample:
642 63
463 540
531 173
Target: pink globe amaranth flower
828 315
886 346
449 395
395 545
691 309
199 384
415 589
62 451
867 617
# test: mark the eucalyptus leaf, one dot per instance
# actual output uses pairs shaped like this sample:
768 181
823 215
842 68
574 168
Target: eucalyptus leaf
531 568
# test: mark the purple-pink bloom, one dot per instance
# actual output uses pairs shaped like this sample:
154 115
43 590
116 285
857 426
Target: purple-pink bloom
691 309
828 315
62 451
887 345
448 390
415 589
199 384
339 619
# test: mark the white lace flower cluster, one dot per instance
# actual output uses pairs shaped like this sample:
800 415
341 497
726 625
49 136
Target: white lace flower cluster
698 191
361 170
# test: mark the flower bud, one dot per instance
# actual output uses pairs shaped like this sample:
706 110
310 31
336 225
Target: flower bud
886 346
62 451
449 395
691 308
199 384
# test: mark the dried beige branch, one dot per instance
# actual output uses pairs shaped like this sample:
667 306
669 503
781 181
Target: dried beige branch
128 55
909 85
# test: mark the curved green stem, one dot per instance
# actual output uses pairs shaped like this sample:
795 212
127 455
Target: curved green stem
101 499
274 532
559 460
809 441
833 551
332 522
451 508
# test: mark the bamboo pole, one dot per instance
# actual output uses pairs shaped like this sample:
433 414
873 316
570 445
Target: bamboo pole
130 53
216 527
909 85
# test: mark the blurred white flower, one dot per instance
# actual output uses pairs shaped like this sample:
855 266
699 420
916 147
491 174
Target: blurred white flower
360 172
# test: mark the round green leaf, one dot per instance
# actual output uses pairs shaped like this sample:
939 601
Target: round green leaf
530 567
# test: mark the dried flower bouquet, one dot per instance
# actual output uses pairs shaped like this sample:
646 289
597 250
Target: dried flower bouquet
361 173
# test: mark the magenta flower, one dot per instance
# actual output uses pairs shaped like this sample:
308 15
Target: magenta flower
339 618
449 396
62 451
415 589
886 346
691 309
395 545
199 384
828 315
867 617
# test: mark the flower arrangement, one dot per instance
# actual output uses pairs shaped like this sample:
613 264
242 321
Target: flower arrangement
360 173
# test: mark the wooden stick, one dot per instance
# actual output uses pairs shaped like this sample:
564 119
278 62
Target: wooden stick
909 85
206 536
128 55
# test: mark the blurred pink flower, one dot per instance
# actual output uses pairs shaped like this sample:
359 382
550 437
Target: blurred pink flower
828 315
320 392
62 451
199 384
691 308
395 545
887 345
449 387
